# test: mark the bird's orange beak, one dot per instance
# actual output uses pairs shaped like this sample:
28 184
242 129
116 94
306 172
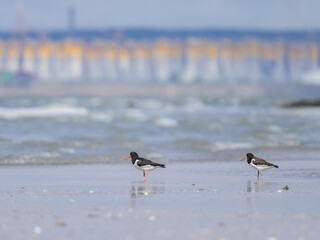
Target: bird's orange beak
127 157
243 158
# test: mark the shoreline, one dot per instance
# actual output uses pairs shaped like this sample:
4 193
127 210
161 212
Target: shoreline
273 154
131 89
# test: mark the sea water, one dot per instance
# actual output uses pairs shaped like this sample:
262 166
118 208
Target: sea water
90 130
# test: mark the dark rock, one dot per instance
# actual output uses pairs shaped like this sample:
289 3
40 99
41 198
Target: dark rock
303 103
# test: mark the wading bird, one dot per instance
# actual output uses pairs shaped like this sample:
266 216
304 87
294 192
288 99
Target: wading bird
143 164
258 163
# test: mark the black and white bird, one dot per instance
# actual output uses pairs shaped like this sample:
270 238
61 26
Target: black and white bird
258 163
143 164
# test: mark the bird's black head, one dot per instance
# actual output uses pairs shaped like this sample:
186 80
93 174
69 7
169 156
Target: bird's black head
134 155
249 157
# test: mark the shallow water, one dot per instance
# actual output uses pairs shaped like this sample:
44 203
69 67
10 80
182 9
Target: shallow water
210 200
75 130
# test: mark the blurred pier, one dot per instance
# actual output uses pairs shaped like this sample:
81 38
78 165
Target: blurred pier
162 60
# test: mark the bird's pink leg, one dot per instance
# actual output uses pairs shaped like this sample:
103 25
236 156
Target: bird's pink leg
144 176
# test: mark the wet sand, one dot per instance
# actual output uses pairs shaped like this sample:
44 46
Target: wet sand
208 200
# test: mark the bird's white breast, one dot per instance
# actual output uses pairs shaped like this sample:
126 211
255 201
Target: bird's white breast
145 167
259 167
254 166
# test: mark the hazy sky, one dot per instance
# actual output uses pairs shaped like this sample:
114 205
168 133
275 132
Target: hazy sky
236 14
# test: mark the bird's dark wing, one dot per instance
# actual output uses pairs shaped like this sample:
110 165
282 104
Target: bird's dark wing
260 161
143 162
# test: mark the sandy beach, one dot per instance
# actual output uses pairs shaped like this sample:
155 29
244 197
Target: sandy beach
213 200
62 174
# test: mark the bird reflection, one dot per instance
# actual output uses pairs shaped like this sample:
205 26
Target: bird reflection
139 189
260 186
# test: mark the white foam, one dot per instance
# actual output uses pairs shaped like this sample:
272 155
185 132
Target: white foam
46 111
36 155
102 117
66 150
274 128
218 146
166 122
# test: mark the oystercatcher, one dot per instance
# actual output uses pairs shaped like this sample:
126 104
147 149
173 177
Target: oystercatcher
258 163
143 164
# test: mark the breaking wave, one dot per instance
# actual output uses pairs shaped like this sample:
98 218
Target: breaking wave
42 112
